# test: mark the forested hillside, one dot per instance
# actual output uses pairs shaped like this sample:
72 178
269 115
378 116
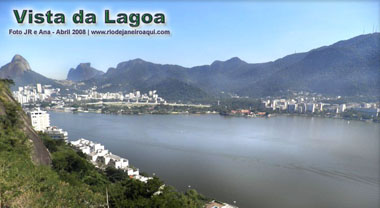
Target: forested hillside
68 179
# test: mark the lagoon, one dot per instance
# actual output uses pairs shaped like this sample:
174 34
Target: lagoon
284 161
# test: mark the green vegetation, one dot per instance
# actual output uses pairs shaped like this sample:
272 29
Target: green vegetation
71 181
228 104
23 183
152 109
73 168
351 114
175 90
224 107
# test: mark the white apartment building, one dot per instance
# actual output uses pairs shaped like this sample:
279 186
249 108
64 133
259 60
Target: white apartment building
342 108
40 119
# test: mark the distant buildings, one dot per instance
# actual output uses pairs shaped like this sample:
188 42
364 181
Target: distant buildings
133 97
34 93
341 108
90 100
302 103
320 107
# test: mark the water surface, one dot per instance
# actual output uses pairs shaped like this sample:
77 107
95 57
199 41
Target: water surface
286 162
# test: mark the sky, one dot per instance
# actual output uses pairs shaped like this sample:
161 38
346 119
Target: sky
201 32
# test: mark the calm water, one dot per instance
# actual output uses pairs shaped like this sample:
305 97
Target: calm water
289 162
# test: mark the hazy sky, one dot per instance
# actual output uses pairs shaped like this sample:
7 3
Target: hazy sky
255 31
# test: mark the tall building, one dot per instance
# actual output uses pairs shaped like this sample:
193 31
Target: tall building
342 108
40 119
274 104
320 107
39 88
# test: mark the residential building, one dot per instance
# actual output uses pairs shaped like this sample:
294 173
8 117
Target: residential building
40 119
56 133
101 157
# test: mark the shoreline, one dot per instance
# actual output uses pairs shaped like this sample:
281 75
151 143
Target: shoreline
217 113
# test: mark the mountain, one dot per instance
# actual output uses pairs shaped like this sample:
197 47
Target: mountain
20 72
175 90
169 80
16 67
350 67
84 71
137 74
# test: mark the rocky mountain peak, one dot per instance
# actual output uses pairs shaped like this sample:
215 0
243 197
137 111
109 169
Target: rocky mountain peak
17 67
20 63
82 72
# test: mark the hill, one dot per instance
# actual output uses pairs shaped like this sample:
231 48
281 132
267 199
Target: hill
350 67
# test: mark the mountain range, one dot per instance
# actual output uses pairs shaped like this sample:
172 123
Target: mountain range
350 68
